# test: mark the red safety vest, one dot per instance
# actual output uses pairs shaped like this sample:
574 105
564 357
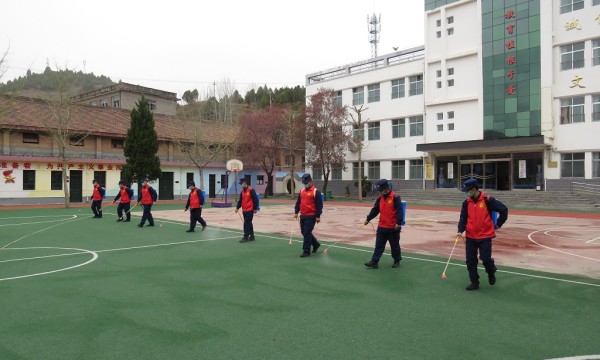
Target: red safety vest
387 211
307 202
479 222
97 196
125 196
247 203
194 199
146 196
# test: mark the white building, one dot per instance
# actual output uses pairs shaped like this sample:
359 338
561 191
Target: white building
502 91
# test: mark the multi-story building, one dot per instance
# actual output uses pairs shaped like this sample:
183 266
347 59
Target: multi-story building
502 91
125 96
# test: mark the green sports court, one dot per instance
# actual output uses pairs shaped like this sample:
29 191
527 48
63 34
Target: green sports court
74 287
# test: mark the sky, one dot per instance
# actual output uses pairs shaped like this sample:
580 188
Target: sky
181 45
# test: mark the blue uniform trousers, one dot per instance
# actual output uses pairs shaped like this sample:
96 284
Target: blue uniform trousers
124 207
147 215
97 208
307 224
248 227
382 238
485 254
196 217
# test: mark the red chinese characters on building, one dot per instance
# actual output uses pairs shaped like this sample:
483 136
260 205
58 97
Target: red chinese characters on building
49 166
27 165
90 166
15 165
118 167
511 60
109 167
510 14
510 29
3 165
510 74
510 44
511 90
100 167
81 167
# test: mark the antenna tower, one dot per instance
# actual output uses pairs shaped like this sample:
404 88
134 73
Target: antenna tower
374 24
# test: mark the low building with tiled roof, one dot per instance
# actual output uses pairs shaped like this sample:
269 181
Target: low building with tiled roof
33 170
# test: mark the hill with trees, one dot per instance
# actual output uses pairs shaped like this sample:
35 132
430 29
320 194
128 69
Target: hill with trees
46 85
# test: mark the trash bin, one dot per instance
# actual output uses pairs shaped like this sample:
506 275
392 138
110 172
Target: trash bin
328 195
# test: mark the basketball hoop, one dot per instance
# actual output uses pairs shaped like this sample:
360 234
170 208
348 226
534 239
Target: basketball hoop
234 165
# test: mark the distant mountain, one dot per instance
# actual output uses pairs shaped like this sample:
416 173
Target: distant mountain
47 85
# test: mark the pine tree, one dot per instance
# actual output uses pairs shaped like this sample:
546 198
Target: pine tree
141 145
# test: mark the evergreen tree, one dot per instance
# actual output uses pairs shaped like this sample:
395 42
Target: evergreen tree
141 145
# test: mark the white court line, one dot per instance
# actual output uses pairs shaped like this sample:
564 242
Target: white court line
39 231
39 222
529 236
591 241
94 257
444 262
165 244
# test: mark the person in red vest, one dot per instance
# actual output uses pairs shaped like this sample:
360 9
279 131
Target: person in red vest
310 206
476 221
249 203
125 195
389 208
97 196
194 203
147 196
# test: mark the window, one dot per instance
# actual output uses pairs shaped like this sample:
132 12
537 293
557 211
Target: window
450 31
450 127
416 169
317 174
450 19
438 84
397 88
596 2
31 138
596 52
373 172
416 125
438 34
438 23
336 174
103 102
571 5
358 96
572 165
260 179
450 71
596 164
572 110
440 116
398 128
190 177
116 143
100 176
450 114
572 56
76 140
116 101
28 179
151 104
438 73
398 170
440 128
450 82
56 182
356 132
355 170
373 93
373 130
596 108
93 103
337 97
415 85
248 179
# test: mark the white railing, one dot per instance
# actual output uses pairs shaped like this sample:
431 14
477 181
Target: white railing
589 189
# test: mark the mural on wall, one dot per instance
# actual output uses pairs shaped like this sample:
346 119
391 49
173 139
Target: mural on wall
8 177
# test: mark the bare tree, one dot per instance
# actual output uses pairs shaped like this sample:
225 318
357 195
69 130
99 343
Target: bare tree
3 60
199 145
358 141
326 139
260 140
293 139
63 123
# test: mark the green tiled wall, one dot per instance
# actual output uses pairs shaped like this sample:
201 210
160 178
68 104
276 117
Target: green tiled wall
434 4
519 114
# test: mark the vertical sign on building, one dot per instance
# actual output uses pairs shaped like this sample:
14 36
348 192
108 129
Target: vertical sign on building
511 68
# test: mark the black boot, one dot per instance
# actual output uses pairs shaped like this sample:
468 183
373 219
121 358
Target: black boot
305 254
473 286
396 264
492 278
372 265
316 247
244 239
189 230
251 238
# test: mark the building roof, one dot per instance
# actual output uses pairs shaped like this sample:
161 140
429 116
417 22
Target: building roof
129 88
27 114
